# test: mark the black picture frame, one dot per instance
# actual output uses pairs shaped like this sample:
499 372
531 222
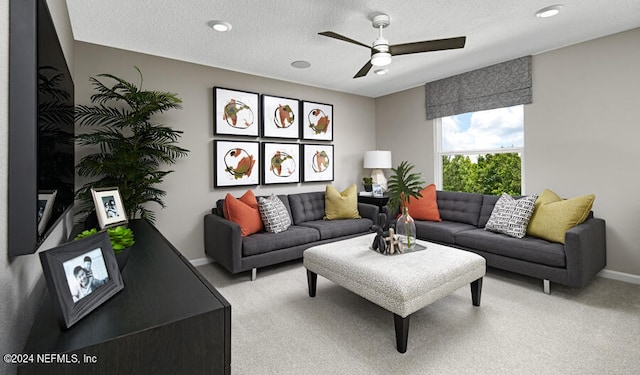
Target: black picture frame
236 163
281 163
317 121
63 267
236 112
280 117
317 162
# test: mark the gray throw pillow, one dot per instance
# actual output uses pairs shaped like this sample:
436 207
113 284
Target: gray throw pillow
274 214
511 216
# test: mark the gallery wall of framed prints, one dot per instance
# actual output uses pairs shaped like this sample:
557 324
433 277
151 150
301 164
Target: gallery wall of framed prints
270 139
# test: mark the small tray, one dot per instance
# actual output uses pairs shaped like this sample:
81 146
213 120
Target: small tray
417 248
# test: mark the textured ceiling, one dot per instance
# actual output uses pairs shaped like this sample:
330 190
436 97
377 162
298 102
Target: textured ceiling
267 36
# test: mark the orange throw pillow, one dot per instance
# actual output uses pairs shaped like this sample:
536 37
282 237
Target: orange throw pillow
244 212
425 208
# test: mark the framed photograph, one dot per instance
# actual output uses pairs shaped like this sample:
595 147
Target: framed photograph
81 275
376 190
317 163
109 207
317 121
235 112
281 163
46 199
236 163
280 117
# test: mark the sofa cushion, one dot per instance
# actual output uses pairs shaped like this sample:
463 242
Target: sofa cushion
338 228
511 216
528 249
306 206
442 231
274 214
265 242
426 207
243 212
341 205
554 216
488 202
459 207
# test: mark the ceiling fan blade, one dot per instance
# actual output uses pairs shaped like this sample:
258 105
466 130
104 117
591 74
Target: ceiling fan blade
333 35
427 46
365 69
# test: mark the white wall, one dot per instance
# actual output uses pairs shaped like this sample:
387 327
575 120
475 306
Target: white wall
581 134
20 290
190 191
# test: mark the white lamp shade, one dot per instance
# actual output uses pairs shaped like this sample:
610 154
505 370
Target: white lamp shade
377 159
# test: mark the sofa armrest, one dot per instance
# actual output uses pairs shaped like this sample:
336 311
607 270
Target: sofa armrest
223 241
369 211
585 251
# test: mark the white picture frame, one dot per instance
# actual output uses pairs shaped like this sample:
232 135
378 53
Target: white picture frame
236 112
376 190
109 207
46 200
281 163
280 117
236 163
317 121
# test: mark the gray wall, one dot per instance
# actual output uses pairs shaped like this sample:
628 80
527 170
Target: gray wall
21 282
190 191
581 134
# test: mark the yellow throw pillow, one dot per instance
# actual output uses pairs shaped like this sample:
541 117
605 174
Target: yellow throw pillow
341 205
553 216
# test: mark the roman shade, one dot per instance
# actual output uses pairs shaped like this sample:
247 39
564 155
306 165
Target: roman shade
496 86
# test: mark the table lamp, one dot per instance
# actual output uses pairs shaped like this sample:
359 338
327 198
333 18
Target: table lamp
378 160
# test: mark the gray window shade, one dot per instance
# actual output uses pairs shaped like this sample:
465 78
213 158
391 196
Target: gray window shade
496 86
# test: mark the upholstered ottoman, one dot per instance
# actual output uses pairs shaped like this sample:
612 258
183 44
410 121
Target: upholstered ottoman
401 283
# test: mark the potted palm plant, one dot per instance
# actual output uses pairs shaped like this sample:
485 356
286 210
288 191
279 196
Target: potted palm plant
129 148
404 185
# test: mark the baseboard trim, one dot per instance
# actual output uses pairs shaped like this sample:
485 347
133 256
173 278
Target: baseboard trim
620 276
201 261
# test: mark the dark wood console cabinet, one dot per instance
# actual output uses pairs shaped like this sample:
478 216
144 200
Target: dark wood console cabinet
168 319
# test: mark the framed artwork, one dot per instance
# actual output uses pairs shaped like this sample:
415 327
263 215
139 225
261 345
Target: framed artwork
236 163
235 112
109 207
81 275
376 190
46 199
281 163
317 121
317 162
280 117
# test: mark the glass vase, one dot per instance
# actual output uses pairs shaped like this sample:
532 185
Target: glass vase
406 231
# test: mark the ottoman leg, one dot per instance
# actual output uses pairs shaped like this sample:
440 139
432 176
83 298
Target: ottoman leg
402 332
312 279
476 291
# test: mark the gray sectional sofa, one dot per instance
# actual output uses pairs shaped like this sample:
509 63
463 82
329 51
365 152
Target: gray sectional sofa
464 216
224 243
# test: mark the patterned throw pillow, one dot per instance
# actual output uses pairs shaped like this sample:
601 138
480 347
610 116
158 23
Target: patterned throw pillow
511 216
274 214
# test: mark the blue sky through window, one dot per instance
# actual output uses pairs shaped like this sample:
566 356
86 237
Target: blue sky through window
484 130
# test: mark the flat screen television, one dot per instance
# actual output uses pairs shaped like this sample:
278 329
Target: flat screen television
41 128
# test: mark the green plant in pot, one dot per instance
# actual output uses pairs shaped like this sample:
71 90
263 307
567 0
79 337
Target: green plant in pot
404 185
367 183
127 149
121 240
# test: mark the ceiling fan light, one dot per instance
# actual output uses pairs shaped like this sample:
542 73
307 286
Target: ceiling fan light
381 71
381 59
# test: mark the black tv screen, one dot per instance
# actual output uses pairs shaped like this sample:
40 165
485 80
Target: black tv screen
41 127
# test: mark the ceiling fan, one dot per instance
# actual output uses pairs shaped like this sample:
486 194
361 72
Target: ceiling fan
381 51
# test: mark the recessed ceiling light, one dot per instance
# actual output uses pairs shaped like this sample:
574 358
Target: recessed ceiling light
549 11
301 64
220 26
381 71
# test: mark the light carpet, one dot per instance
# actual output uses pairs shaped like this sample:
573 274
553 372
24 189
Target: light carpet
278 329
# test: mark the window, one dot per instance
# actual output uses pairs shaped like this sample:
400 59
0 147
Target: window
480 152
